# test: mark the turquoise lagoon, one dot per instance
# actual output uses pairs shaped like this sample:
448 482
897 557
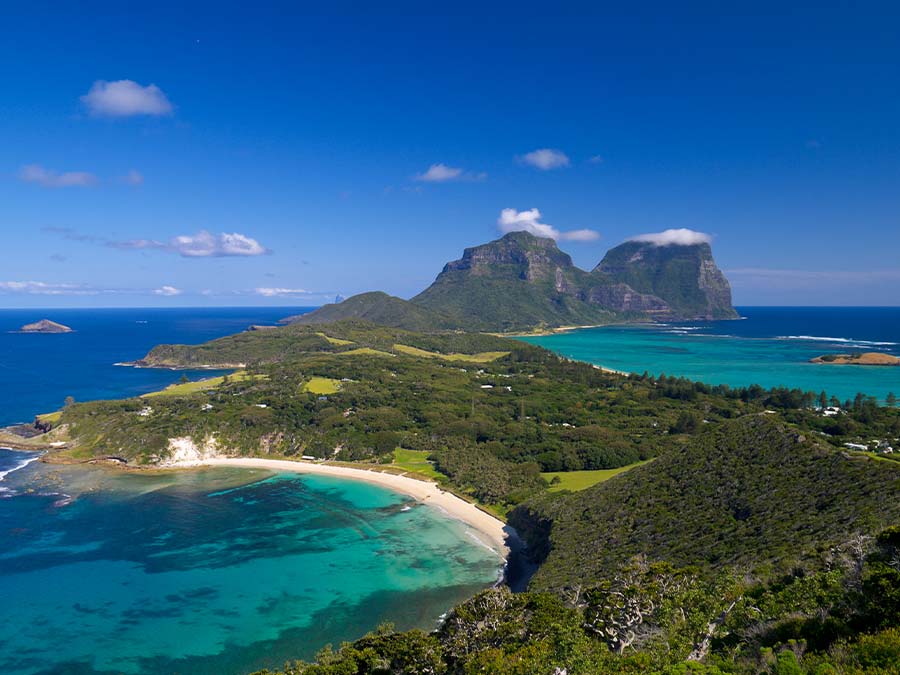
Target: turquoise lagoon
770 346
213 571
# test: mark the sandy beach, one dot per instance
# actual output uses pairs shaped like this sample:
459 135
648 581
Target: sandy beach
490 530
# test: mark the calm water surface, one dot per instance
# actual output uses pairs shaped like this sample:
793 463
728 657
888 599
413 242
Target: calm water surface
213 571
770 346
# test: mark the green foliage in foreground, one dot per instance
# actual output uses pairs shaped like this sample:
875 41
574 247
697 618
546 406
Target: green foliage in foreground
655 619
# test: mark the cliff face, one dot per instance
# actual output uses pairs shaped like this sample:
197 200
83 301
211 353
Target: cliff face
520 281
516 282
684 277
517 255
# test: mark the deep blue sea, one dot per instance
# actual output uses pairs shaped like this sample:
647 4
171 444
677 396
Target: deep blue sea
770 346
38 371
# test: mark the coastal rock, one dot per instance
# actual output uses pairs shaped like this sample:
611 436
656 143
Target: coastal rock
45 326
185 451
864 359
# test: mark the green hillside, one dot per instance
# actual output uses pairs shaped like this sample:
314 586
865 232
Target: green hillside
751 495
380 308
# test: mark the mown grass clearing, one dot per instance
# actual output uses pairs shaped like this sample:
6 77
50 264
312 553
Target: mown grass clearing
50 418
336 341
415 461
581 480
322 385
482 357
187 388
363 351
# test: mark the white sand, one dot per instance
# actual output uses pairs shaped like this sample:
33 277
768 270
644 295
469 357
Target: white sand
492 531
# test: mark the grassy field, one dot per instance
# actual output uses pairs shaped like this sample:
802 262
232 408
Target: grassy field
482 357
50 418
415 461
362 351
322 385
183 389
580 480
336 341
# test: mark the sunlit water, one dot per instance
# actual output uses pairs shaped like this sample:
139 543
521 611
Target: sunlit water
770 346
213 571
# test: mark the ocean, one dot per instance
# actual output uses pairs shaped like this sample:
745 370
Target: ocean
213 572
38 371
210 572
770 346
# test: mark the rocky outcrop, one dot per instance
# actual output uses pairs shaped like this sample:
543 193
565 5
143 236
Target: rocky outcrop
684 276
45 326
185 451
864 359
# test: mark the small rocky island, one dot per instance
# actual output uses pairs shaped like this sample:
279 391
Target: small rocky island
45 326
863 359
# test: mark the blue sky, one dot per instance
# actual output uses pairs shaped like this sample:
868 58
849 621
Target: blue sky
289 147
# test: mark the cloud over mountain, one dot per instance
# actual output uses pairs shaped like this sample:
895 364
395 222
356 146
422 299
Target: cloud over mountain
511 220
677 237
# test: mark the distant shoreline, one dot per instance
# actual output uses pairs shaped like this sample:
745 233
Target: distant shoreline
492 531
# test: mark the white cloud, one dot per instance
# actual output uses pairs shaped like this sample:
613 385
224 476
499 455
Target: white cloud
45 288
441 173
167 291
133 178
583 234
678 237
546 159
35 173
511 220
204 244
280 292
125 98
596 159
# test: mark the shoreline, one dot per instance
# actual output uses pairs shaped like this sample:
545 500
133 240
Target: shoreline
492 531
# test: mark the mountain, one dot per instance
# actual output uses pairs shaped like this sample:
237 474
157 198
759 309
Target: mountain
521 282
379 308
685 277
516 282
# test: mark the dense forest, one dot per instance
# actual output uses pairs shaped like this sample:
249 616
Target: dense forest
756 541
